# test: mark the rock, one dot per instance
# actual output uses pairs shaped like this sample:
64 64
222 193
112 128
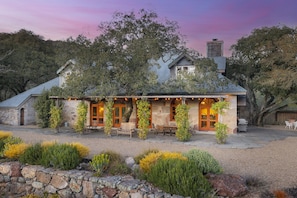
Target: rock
15 169
30 171
130 161
58 182
228 185
5 168
109 192
43 177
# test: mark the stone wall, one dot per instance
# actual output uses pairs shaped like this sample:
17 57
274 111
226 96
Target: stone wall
17 180
9 116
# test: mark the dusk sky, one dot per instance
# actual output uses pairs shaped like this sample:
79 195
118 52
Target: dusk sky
199 20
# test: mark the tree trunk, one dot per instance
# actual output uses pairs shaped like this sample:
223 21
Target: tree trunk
128 111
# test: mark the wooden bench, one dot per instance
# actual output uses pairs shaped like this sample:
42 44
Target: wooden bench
127 128
91 128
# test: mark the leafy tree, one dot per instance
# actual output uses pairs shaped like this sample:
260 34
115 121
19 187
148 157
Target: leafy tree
28 60
264 63
121 56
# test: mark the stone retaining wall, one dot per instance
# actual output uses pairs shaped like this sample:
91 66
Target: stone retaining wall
17 180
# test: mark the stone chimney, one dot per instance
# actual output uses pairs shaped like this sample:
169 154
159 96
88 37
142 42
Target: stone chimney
215 48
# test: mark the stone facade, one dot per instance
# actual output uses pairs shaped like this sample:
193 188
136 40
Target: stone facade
160 113
13 116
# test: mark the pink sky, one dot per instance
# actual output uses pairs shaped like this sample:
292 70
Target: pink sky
199 20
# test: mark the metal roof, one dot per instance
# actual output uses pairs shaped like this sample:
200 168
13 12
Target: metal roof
17 100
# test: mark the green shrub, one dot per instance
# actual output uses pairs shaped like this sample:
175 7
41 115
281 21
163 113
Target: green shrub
116 165
179 177
144 154
32 155
118 168
100 163
42 107
205 162
60 156
221 132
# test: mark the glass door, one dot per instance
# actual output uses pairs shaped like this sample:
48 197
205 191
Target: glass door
207 116
97 114
118 112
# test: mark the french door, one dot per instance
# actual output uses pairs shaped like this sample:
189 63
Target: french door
97 114
207 116
118 112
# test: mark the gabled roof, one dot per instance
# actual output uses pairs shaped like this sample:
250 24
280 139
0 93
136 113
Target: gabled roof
19 99
180 57
69 62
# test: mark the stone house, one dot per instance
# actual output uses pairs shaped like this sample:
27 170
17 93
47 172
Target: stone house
19 110
163 105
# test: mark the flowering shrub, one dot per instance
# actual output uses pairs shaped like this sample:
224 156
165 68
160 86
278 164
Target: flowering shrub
100 163
148 161
5 134
82 150
13 151
47 144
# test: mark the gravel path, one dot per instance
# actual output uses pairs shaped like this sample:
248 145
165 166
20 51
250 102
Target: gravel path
274 161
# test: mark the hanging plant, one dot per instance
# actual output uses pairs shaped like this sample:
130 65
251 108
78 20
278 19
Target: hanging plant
182 122
108 117
82 110
143 114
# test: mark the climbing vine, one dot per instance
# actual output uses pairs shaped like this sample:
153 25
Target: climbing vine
108 117
55 117
82 110
182 122
143 115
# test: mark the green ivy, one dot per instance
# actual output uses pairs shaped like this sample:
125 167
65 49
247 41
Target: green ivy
143 114
182 122
82 110
108 117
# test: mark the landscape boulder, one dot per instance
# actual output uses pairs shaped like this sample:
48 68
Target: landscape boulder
228 185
